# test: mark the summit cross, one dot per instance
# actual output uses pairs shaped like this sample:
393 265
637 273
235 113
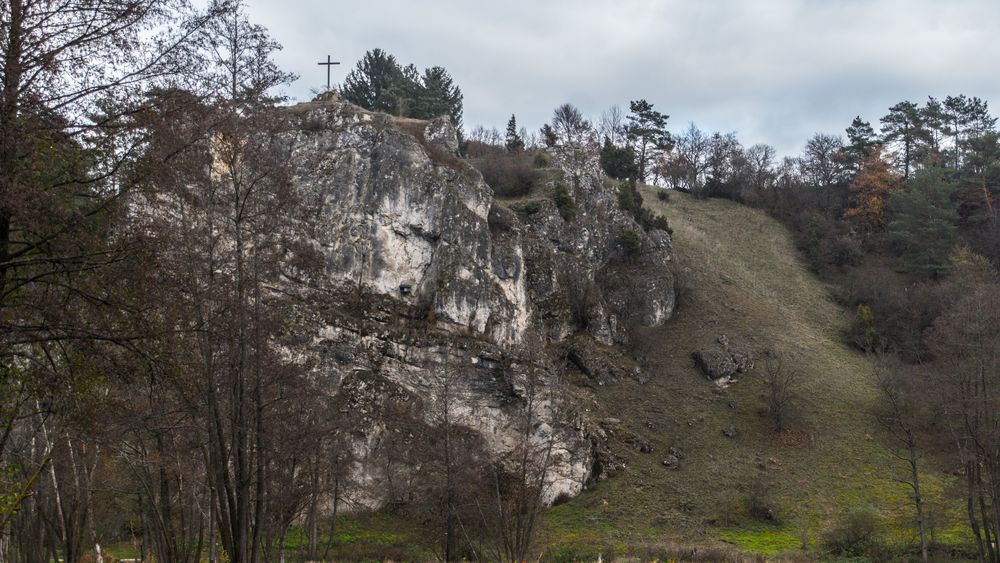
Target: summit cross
329 63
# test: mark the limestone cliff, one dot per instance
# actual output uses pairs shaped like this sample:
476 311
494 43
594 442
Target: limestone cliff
430 284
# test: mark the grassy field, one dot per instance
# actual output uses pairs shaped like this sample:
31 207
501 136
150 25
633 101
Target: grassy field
742 278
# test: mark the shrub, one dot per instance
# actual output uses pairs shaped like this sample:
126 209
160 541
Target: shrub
532 207
542 159
863 333
510 175
500 219
855 535
630 242
564 202
761 505
629 198
844 250
630 201
618 162
663 195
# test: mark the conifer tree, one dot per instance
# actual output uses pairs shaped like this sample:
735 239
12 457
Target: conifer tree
925 223
904 127
861 139
514 142
647 131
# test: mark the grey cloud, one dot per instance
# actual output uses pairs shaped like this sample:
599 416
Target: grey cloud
775 71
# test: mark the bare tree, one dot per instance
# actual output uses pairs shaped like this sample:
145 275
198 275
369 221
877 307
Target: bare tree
899 416
685 166
520 480
966 341
779 390
611 125
72 74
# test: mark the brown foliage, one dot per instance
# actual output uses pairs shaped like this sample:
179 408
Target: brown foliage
870 192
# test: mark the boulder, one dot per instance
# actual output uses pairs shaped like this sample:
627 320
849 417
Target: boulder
715 364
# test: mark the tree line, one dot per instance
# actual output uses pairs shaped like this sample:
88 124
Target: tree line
153 261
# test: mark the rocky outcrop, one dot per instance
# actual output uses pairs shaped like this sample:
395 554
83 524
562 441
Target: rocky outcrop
435 298
723 363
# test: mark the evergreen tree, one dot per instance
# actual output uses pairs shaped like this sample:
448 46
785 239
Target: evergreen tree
441 96
924 223
978 180
618 162
647 132
374 84
379 83
549 136
513 142
861 139
904 128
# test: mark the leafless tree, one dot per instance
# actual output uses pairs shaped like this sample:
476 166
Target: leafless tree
611 125
72 74
966 341
899 414
780 382
686 165
519 489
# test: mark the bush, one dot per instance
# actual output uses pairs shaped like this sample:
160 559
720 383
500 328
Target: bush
532 207
663 195
510 175
541 159
855 535
630 201
618 162
844 250
761 505
564 202
630 242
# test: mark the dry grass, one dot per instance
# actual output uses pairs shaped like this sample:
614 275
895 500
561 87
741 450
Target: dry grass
746 281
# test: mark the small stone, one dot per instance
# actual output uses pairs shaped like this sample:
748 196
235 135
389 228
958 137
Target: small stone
730 432
724 341
671 462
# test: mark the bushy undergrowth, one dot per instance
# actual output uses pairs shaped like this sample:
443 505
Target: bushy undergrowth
630 200
509 174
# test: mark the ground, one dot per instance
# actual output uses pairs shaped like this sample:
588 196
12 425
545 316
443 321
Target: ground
741 276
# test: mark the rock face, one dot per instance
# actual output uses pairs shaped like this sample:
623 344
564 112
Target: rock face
436 298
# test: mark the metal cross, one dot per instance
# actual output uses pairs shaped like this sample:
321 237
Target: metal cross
328 64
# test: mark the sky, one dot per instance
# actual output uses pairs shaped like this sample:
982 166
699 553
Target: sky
773 71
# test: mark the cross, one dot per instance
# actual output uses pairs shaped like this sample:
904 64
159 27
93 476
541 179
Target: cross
328 64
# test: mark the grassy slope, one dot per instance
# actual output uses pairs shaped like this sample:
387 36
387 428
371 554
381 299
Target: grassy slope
747 282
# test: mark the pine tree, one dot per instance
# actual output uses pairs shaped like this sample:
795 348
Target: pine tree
904 127
379 83
870 192
924 223
374 84
441 96
514 142
647 131
861 139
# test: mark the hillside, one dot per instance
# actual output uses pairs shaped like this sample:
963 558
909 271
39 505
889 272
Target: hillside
741 277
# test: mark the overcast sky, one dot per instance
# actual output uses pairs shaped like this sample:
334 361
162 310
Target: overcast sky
774 71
